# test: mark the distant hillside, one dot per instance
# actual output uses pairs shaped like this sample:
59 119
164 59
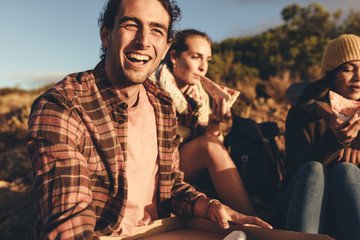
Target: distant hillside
264 65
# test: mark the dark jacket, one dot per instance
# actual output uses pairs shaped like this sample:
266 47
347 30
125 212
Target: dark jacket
308 139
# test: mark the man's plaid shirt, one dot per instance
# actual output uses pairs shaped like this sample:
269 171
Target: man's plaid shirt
77 145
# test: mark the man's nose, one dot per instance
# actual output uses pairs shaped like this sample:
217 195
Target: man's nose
142 38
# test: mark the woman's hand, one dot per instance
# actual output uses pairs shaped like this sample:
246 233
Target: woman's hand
223 215
350 155
220 113
345 131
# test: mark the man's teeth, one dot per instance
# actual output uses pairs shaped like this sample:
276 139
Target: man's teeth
138 57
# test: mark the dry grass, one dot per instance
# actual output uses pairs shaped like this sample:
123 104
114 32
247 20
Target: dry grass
265 101
15 101
14 114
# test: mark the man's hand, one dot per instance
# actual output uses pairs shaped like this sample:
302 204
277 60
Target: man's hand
223 215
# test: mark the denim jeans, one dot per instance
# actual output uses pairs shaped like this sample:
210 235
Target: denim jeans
305 199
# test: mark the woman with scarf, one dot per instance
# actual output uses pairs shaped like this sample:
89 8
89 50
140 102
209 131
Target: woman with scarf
199 117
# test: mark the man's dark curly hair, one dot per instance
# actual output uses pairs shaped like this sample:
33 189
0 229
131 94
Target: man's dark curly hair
107 17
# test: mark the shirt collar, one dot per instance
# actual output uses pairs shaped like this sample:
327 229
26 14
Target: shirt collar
112 98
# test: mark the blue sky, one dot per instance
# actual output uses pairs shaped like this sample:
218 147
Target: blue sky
41 41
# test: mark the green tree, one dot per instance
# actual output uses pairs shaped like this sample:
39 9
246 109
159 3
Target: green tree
351 23
292 50
307 29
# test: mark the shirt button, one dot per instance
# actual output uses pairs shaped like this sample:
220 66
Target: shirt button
123 105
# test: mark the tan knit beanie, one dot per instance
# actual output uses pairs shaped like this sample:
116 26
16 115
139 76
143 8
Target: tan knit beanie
340 50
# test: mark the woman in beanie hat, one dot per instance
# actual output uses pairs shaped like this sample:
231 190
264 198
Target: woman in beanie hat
323 152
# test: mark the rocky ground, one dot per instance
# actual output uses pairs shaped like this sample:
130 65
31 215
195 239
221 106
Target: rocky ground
17 200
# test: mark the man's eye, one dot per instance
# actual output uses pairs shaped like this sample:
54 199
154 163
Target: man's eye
130 27
159 32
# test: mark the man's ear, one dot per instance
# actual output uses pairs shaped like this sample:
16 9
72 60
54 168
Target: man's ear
105 35
167 49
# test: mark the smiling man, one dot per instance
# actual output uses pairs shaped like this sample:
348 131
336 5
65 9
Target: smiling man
103 142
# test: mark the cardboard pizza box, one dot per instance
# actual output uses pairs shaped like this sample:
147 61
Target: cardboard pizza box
176 228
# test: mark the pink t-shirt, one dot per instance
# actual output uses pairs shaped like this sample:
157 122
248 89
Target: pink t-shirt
142 167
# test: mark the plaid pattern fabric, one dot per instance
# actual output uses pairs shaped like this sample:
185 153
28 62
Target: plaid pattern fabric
77 145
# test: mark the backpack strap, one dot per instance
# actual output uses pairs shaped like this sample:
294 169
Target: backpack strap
269 156
266 143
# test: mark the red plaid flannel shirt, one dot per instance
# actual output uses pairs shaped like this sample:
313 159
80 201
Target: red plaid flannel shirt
77 145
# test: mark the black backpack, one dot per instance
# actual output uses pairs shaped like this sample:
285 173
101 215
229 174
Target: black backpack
255 153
